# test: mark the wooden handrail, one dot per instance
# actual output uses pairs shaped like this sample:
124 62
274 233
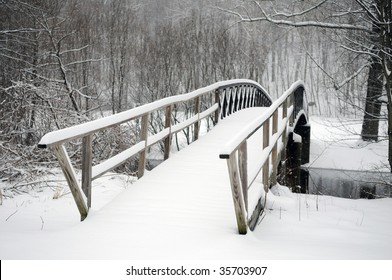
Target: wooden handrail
282 113
222 102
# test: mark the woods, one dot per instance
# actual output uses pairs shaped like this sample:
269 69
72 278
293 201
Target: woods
360 27
67 62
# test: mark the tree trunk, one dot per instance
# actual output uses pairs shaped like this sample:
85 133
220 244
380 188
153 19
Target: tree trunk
386 55
373 104
374 88
390 135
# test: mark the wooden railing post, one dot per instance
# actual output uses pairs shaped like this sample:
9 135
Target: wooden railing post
227 97
282 175
217 101
266 129
143 137
274 154
197 124
291 103
167 142
243 166
87 162
236 193
70 176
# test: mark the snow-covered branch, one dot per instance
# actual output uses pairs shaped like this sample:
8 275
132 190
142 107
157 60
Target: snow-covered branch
74 50
353 76
82 62
307 23
21 30
296 14
364 52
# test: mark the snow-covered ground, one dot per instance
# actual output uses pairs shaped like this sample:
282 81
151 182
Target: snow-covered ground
161 217
336 144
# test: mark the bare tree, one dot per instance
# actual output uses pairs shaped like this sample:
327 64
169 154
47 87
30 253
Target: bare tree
370 19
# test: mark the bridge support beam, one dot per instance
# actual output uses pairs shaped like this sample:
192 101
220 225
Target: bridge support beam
304 131
293 167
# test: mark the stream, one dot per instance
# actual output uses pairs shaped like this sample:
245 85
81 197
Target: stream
346 183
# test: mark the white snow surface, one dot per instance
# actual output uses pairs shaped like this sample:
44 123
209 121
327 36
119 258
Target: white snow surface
183 209
337 144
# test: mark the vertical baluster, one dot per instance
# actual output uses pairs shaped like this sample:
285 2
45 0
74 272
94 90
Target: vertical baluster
231 102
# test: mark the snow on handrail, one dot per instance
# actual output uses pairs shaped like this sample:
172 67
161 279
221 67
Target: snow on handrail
280 114
242 93
81 130
247 131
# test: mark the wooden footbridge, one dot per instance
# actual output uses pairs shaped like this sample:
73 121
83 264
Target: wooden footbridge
262 142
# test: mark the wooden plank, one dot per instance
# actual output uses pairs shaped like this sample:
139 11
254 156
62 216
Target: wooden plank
167 142
236 193
116 160
243 166
143 137
69 173
87 161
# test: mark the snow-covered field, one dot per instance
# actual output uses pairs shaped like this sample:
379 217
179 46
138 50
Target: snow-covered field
156 219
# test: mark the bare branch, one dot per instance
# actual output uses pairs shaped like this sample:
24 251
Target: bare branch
20 30
353 76
297 14
371 15
368 53
83 61
74 50
320 24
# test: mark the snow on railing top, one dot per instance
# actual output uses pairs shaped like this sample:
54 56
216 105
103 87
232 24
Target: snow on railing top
248 130
227 96
280 115
81 130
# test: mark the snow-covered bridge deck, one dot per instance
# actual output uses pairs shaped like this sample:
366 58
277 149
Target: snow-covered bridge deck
183 210
184 207
275 121
192 188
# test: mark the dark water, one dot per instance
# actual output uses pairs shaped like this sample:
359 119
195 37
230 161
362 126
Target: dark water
152 163
346 183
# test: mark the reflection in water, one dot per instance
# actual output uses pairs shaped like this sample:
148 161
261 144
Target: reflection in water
346 183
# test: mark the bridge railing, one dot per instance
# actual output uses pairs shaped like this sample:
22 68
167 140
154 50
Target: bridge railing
216 101
274 124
